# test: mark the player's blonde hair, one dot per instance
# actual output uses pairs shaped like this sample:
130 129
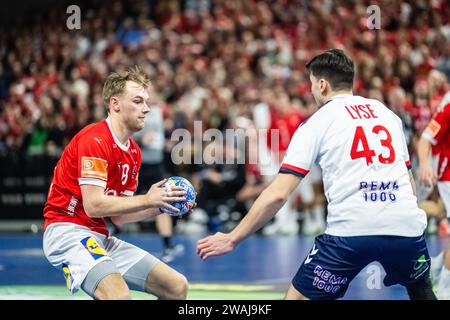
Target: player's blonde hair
115 83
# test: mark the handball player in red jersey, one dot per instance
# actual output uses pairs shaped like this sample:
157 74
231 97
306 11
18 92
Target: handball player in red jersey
96 178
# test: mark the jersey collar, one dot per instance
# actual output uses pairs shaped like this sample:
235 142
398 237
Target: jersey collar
342 95
338 96
116 140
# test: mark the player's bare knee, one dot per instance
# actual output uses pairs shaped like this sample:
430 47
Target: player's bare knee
117 294
179 289
113 290
123 295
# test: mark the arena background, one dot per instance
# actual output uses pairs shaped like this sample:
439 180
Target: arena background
224 63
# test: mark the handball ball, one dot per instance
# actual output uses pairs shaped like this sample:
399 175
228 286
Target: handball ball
183 206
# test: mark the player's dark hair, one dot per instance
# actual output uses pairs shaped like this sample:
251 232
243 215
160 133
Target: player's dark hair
335 67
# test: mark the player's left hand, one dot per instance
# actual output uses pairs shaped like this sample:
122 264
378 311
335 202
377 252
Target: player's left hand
215 245
192 208
427 175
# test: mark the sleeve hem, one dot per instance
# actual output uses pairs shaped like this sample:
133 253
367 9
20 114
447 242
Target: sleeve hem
128 193
427 136
408 164
93 182
299 172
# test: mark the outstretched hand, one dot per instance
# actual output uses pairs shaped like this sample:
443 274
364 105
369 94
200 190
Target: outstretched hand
427 175
215 245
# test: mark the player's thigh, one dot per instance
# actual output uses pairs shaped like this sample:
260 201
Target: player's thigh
444 193
166 283
133 263
75 250
144 272
405 259
330 266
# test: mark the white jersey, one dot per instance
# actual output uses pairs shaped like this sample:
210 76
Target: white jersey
360 146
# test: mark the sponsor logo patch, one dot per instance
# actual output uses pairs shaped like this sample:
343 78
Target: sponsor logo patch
433 128
67 275
420 267
94 168
94 249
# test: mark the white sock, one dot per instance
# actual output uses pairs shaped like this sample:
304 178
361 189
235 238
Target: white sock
443 290
307 217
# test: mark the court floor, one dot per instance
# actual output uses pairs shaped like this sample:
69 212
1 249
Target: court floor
259 269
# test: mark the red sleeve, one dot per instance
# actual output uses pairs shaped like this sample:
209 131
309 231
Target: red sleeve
443 119
93 156
438 126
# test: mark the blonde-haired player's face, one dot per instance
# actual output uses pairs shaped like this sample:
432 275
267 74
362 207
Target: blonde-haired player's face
133 106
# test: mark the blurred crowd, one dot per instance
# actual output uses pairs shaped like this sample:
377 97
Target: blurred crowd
229 64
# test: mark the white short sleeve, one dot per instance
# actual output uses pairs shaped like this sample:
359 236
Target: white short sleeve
302 151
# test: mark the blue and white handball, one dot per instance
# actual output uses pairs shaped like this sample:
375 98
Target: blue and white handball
183 206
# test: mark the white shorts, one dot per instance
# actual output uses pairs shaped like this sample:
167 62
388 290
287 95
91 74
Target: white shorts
444 193
75 250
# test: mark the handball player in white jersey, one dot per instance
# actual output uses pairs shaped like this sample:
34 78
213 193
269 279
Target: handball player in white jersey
372 208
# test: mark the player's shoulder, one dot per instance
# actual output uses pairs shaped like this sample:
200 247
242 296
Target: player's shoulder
445 102
319 119
323 112
444 108
95 133
94 128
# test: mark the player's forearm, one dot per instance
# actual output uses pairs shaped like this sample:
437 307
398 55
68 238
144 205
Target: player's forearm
264 208
423 151
141 215
107 206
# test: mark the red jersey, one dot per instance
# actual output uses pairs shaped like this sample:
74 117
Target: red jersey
287 124
438 133
93 157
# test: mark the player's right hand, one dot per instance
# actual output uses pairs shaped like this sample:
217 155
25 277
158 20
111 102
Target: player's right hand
215 245
162 197
427 176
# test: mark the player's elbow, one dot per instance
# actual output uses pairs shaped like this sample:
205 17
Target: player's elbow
92 208
118 221
277 202
277 197
280 199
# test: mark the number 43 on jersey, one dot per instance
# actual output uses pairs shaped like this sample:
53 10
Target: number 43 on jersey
368 153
